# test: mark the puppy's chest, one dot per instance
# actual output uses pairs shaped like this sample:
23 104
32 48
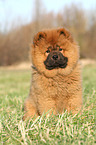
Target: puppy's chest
54 89
49 87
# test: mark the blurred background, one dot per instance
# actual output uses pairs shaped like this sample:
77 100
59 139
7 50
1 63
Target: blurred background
21 19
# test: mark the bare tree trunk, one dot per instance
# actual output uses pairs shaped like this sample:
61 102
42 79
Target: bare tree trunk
37 14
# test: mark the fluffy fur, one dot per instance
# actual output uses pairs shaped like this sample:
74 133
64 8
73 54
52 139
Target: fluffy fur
59 88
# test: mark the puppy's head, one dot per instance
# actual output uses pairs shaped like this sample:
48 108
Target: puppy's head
54 52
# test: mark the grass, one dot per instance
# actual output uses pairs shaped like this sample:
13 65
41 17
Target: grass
64 129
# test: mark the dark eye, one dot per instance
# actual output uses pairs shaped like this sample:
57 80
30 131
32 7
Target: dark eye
60 49
48 51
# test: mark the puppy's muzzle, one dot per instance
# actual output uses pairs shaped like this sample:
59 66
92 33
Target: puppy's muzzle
55 60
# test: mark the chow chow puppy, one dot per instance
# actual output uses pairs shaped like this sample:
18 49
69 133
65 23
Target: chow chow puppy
56 78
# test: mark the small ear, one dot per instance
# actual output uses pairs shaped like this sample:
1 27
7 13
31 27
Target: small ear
66 33
38 37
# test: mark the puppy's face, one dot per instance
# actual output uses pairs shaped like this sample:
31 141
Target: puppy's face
54 52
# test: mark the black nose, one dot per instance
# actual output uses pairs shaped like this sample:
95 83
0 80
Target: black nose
55 57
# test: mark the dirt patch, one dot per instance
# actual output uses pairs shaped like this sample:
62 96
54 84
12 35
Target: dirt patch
21 66
85 62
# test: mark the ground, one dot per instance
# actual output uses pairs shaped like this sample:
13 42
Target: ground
63 129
